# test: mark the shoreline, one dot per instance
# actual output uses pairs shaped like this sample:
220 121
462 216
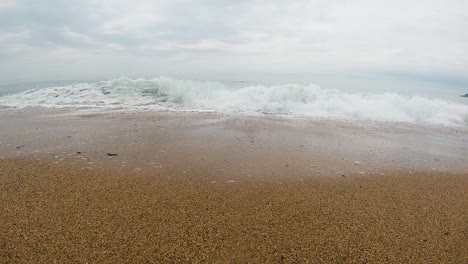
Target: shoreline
254 144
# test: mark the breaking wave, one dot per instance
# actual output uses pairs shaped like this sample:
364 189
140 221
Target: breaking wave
289 99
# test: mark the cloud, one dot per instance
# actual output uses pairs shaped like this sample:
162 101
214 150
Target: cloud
207 37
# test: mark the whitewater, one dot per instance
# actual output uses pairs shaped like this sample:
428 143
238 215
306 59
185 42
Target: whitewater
163 94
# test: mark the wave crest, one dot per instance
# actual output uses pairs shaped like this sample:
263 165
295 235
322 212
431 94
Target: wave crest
292 99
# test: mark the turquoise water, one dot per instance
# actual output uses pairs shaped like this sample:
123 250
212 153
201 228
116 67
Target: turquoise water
11 88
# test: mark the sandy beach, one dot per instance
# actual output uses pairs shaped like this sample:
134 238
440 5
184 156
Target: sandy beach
190 187
305 131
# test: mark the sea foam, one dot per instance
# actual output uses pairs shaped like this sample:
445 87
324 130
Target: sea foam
288 99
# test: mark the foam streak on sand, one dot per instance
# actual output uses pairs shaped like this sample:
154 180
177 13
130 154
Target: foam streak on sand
287 99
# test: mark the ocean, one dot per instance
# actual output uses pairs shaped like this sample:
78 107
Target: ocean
435 107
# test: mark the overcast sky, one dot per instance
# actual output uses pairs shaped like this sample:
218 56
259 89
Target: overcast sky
226 39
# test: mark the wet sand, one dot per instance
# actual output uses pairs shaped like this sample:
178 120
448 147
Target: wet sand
211 188
231 145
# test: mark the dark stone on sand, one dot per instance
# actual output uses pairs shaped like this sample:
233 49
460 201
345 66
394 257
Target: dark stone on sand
111 154
78 152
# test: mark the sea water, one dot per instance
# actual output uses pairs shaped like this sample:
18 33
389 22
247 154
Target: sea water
310 100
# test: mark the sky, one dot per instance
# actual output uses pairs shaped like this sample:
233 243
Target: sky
234 40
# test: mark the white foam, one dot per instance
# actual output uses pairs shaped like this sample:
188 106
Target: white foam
291 99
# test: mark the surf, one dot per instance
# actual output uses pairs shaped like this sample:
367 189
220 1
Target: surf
310 100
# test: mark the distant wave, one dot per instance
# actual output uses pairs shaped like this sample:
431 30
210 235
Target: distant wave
290 99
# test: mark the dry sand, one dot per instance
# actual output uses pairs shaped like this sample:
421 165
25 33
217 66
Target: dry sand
52 213
207 188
